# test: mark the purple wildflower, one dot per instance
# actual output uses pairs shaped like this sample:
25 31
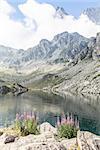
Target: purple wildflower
71 120
68 119
17 116
58 121
63 119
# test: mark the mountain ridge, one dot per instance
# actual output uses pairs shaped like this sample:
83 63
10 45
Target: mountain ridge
93 13
63 46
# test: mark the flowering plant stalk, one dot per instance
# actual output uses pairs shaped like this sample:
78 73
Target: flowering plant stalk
67 126
27 123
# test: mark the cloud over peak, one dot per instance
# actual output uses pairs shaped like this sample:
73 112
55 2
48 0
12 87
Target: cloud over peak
41 21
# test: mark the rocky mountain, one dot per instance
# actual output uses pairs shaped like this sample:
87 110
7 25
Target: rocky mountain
64 47
6 52
93 14
9 56
60 12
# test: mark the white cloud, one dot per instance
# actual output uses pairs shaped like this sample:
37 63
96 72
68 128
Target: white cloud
5 8
40 22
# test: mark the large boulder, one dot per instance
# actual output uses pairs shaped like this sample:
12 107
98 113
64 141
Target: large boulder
47 127
88 141
70 144
34 142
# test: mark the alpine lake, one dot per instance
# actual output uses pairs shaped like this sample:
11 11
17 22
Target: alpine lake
48 106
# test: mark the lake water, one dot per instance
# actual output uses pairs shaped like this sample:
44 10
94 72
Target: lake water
49 106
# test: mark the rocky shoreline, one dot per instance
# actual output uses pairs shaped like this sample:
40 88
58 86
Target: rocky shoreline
82 80
47 140
16 89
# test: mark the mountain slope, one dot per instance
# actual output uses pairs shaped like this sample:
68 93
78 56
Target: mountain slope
65 46
80 78
93 14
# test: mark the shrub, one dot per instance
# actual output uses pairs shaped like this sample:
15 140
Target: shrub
26 124
67 126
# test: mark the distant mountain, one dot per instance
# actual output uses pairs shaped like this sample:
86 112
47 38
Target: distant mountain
96 52
93 14
6 52
64 47
9 56
60 12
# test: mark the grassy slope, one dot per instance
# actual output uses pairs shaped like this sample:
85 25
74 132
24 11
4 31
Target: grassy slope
81 78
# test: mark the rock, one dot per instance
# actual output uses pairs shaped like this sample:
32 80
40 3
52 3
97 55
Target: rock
1 133
60 12
4 90
88 141
63 46
41 146
47 127
9 139
69 143
18 89
2 138
35 142
96 52
45 141
93 14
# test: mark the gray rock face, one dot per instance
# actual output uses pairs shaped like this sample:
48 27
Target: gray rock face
96 52
7 51
9 56
67 46
93 14
64 47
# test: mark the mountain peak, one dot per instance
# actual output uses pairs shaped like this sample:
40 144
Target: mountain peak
93 14
60 12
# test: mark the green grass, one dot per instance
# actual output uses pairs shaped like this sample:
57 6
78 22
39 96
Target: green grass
67 131
26 124
47 82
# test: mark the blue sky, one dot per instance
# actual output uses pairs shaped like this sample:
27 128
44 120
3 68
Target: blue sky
74 7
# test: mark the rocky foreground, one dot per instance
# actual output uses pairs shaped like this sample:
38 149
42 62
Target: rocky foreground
47 140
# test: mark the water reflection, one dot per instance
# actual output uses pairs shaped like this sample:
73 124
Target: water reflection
49 106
